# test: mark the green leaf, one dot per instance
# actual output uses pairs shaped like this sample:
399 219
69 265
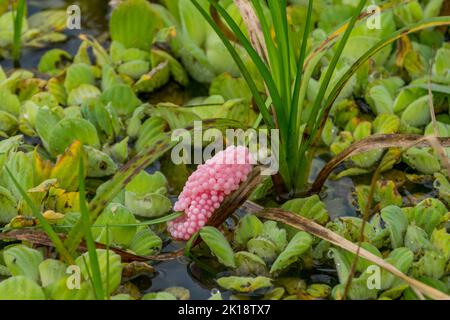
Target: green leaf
159 296
417 114
51 271
110 268
396 222
78 74
59 290
69 130
145 242
428 214
23 261
248 264
8 206
402 259
244 284
20 288
218 245
277 235
122 99
134 24
111 230
263 248
416 239
248 227
312 208
299 244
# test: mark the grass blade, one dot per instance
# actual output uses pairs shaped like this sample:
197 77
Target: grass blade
92 250
18 24
245 73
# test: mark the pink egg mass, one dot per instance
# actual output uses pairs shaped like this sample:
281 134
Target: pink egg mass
207 187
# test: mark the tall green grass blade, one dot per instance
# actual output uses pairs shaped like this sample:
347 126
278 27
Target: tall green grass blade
92 250
245 73
274 64
296 109
18 24
313 123
332 66
279 17
44 224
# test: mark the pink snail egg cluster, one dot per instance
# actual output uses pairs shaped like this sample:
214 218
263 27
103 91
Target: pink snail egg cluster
207 187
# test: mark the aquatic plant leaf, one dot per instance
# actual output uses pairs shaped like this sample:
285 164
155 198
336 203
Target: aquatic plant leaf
151 205
159 296
244 284
277 235
99 164
230 88
343 264
78 74
432 264
175 116
417 114
65 170
405 97
122 99
8 206
177 71
416 239
441 241
110 268
50 271
20 288
312 208
21 166
218 245
134 24
145 242
397 224
443 186
248 227
263 248
402 259
382 99
134 69
69 130
441 65
59 290
23 261
145 183
192 23
386 124
82 93
10 103
298 245
427 214
52 61
422 160
249 264
111 231
155 79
